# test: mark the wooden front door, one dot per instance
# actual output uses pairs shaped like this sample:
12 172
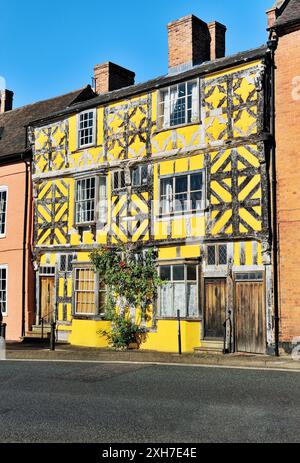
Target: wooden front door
215 308
47 298
250 317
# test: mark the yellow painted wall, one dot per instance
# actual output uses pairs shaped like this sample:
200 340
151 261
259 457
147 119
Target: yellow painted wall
84 333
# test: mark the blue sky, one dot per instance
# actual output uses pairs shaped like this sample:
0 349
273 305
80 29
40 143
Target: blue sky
50 47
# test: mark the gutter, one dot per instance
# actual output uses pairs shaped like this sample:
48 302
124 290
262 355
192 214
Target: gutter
27 167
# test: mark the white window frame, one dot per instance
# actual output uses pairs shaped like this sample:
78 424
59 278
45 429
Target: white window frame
99 207
5 266
185 282
165 124
4 189
139 167
94 129
97 290
172 198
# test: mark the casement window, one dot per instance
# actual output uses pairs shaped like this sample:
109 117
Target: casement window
182 193
217 255
118 180
178 104
90 296
3 210
91 200
179 291
139 175
87 128
3 289
65 263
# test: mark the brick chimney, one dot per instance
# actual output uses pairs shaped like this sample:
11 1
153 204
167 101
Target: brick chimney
272 16
6 100
193 41
217 33
109 76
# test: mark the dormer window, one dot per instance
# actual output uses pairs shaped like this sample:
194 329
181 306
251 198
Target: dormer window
179 105
87 128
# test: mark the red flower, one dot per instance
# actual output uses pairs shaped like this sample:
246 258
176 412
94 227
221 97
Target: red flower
122 264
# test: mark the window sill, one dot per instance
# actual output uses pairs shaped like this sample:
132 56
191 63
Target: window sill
174 127
180 214
92 317
183 319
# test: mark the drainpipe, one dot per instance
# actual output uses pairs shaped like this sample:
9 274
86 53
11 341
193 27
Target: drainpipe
272 45
27 165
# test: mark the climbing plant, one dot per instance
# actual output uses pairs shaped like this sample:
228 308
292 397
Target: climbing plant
132 282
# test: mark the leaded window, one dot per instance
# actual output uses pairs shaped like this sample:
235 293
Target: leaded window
217 255
179 291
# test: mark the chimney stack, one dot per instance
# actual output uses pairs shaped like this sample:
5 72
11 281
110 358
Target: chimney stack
193 41
272 16
217 32
6 100
109 76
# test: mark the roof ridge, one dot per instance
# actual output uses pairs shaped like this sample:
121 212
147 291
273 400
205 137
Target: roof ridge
46 100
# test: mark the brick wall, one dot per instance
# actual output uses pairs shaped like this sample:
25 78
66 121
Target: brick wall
288 176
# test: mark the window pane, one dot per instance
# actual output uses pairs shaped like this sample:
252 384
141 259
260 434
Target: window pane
144 174
223 254
178 272
136 180
179 299
196 182
165 273
181 184
196 200
166 300
192 300
116 180
211 255
166 186
191 273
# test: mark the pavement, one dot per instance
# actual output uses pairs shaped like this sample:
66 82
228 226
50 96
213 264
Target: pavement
82 402
65 352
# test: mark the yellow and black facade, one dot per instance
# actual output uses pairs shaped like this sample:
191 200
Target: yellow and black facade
178 163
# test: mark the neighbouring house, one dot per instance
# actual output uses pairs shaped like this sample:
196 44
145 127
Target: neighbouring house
181 163
17 283
284 28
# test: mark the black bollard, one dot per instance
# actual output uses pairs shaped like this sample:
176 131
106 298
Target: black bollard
3 330
179 333
52 336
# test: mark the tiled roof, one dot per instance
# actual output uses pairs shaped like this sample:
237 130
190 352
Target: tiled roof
13 138
290 12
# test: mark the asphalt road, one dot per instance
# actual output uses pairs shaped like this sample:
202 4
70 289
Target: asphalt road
85 402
